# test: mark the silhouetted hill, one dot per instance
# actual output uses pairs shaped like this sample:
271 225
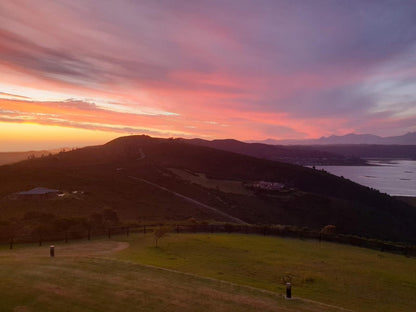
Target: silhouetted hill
144 178
292 154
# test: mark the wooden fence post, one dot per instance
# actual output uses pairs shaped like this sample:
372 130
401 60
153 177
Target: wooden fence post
288 290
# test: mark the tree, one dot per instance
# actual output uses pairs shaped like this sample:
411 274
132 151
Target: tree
10 229
86 224
43 231
160 232
110 216
64 225
96 220
329 229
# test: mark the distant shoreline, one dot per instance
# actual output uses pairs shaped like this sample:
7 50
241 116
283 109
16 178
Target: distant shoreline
394 176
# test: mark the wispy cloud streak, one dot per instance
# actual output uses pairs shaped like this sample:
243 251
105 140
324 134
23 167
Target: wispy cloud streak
242 69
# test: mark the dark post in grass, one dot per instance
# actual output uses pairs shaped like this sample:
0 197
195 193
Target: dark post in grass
288 290
52 250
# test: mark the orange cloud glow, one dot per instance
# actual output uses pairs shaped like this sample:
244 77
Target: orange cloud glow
235 69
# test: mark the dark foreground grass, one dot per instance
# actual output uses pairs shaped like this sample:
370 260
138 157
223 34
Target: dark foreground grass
107 285
113 275
354 278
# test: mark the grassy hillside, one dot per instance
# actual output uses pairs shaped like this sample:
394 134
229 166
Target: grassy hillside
138 177
116 276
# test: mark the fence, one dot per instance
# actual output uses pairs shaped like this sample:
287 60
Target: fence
271 230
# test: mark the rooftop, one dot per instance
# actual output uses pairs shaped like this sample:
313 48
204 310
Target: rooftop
38 191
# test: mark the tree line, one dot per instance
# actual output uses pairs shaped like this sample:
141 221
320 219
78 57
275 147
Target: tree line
42 227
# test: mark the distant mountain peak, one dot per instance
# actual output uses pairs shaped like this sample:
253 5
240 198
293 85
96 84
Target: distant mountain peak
350 138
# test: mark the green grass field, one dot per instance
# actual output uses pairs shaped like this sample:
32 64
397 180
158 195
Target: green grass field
187 273
226 186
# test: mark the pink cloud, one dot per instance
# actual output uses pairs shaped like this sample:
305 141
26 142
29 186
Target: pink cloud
234 69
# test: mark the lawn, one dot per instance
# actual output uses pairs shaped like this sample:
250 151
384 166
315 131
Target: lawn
186 272
351 277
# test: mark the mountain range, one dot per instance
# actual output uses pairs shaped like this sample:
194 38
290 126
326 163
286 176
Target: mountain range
12 157
352 138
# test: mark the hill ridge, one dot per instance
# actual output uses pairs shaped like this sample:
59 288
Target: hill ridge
310 198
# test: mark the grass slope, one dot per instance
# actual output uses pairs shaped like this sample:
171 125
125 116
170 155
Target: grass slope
130 274
84 277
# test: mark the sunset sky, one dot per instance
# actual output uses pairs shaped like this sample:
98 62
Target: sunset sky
81 72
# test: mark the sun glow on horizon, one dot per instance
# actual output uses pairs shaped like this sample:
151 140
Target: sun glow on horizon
91 71
25 136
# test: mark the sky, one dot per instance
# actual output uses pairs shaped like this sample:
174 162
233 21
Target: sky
83 72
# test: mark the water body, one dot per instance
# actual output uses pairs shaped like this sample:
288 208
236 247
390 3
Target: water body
391 176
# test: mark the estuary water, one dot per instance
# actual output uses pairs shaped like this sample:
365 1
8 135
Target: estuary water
391 176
